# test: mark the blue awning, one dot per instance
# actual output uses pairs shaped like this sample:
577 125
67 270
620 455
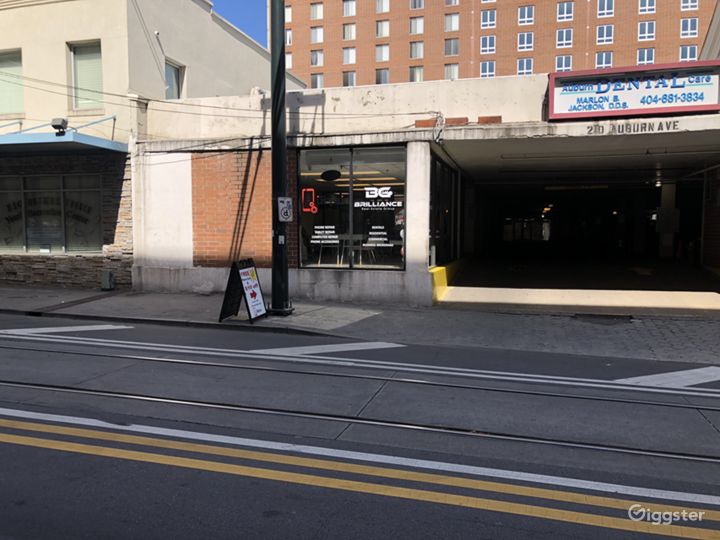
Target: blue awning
70 141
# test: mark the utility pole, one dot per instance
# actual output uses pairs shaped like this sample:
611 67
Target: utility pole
280 291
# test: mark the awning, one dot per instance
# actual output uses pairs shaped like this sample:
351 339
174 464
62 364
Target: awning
71 141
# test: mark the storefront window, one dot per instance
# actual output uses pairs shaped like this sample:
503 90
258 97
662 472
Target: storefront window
352 208
51 214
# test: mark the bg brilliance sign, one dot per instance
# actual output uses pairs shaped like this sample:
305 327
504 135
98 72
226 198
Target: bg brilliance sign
688 87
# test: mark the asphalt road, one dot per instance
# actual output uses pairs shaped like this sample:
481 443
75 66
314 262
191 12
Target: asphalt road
148 431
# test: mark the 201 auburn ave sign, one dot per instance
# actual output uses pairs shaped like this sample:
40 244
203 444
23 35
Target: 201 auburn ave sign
677 88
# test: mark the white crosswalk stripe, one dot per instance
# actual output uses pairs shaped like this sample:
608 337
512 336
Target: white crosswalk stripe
320 349
62 329
676 379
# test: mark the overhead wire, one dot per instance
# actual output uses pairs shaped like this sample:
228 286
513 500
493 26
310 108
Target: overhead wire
177 103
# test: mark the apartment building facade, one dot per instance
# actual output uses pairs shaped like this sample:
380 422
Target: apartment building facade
334 43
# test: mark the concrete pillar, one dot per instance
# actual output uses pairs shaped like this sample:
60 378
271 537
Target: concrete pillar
417 223
667 221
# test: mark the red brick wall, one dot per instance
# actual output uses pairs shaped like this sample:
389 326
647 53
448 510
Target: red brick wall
79 269
711 256
232 208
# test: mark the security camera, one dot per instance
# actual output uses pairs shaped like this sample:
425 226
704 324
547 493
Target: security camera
59 125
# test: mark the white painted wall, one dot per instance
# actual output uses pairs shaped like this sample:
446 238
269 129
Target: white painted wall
362 109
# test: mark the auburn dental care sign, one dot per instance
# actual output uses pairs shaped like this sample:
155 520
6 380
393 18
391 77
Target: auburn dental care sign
677 88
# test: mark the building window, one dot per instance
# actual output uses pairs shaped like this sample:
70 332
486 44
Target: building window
417 49
382 29
417 25
605 34
564 38
452 72
348 8
288 37
526 15
382 53
606 8
645 56
288 61
524 66
382 76
288 14
51 214
317 58
452 22
565 11
689 5
688 53
316 11
317 34
317 80
525 41
349 55
357 220
487 69
349 31
173 81
689 28
452 47
11 88
646 6
349 78
487 44
382 6
417 74
603 59
87 76
563 63
488 18
646 31
452 2
487 1
417 4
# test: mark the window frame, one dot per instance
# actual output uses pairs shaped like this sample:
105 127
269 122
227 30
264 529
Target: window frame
564 43
526 20
564 17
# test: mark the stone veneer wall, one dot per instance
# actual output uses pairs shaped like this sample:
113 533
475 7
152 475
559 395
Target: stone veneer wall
79 269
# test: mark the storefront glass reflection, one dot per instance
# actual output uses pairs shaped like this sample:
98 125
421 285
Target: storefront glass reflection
352 206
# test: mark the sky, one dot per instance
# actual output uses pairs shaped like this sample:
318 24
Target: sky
250 16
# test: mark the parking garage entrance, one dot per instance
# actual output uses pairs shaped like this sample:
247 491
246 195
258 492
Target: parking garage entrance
611 215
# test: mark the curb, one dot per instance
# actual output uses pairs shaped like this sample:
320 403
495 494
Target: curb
239 325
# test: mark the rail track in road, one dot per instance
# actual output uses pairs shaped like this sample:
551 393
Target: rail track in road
433 428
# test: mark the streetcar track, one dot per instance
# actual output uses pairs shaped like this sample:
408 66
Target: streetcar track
378 378
447 430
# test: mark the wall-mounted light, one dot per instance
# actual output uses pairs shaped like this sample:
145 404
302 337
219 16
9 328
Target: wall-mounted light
59 125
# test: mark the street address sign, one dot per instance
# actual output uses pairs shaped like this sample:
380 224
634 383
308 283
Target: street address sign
663 89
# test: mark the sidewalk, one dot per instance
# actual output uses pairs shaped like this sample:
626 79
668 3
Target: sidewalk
670 338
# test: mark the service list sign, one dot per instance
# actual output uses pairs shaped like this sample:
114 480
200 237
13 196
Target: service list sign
637 92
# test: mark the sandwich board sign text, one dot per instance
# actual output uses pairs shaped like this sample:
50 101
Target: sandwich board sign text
243 282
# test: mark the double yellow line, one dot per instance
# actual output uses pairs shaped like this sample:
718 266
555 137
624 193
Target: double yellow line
358 486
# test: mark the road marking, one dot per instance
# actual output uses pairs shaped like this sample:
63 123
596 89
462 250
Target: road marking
321 349
616 489
507 376
339 466
476 503
61 329
676 379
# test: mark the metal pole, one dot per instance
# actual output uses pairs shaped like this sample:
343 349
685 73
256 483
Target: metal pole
280 294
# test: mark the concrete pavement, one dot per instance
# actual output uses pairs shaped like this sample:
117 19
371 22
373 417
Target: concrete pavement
652 337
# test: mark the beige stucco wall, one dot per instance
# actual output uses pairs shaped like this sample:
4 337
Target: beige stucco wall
220 59
42 31
354 110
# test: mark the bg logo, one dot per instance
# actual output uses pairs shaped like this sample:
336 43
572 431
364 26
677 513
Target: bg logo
375 192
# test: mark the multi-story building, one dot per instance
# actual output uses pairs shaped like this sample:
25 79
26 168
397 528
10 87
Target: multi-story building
361 42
